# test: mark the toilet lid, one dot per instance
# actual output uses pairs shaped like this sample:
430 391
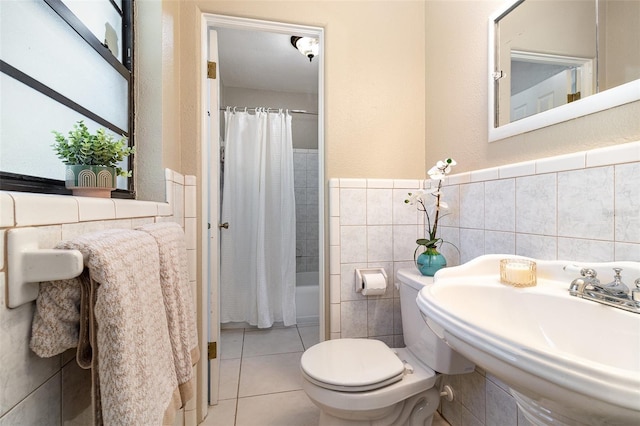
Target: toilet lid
351 364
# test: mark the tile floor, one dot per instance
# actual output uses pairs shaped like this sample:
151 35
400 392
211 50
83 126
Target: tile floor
260 383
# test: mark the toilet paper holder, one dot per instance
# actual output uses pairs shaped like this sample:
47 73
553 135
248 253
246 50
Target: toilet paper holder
360 272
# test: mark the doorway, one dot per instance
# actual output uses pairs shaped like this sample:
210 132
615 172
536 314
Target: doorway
250 74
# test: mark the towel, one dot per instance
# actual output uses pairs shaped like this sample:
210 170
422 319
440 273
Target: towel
178 301
121 330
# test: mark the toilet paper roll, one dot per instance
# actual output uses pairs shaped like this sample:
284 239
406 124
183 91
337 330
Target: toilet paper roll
374 284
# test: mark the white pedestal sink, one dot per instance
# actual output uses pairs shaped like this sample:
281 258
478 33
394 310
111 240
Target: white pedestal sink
566 360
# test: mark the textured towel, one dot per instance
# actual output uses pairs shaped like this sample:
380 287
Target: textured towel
126 326
178 301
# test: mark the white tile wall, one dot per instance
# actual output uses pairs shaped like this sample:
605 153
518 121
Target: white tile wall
583 206
49 391
305 166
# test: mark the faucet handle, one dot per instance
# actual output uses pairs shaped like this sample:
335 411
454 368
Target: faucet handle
588 272
635 293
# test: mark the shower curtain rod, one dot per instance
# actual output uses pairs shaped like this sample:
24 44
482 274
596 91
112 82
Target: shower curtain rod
292 111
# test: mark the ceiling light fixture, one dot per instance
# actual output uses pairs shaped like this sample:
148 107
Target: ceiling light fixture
308 46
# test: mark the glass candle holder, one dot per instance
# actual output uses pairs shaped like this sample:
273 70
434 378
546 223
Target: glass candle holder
518 272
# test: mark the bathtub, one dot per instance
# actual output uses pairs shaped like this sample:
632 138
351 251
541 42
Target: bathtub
307 297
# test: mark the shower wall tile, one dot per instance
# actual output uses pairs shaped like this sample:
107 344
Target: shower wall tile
307 213
43 390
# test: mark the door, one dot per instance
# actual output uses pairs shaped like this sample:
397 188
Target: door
211 167
213 138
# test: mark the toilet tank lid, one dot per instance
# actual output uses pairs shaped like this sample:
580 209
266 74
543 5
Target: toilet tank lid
351 362
413 278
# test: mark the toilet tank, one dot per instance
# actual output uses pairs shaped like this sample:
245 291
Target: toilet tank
418 337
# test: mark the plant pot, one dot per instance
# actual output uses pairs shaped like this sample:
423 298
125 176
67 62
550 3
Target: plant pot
430 261
91 181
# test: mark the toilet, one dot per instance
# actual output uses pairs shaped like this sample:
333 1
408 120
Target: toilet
364 382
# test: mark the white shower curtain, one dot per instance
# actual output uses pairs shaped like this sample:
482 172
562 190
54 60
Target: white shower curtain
258 264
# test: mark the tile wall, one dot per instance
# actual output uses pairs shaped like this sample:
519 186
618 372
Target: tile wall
305 168
55 391
583 207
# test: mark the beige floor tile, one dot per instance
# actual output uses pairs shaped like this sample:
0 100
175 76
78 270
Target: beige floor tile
310 335
229 378
223 414
270 373
231 343
271 341
278 409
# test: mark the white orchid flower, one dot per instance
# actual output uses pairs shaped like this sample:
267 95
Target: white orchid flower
415 197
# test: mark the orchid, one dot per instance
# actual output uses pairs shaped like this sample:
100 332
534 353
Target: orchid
419 198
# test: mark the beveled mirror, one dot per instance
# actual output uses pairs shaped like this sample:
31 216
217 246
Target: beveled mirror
554 60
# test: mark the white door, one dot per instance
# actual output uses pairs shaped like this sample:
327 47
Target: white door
213 83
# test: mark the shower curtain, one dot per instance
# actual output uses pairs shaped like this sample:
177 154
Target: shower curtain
258 264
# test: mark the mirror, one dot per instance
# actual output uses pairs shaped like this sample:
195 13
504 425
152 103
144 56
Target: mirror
555 60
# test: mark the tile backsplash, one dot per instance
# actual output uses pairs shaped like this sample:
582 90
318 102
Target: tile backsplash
582 207
55 391
305 168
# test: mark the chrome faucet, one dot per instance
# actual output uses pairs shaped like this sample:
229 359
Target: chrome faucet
615 294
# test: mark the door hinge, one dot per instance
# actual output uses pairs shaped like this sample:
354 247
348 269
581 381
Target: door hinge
212 350
211 70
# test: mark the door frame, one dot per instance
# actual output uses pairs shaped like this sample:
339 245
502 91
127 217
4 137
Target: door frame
210 244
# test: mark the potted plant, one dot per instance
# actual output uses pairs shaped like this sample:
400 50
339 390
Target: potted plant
91 159
431 260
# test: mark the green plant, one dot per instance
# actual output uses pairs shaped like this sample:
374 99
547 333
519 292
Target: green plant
99 149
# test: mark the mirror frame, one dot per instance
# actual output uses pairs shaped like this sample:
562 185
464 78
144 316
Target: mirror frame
616 96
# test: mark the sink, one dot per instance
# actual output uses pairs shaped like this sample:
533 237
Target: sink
565 359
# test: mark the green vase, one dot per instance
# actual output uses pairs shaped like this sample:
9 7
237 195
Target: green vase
430 261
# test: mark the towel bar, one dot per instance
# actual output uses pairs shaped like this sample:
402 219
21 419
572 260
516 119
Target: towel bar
27 265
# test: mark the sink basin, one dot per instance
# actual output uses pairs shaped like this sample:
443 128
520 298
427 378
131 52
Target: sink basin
566 360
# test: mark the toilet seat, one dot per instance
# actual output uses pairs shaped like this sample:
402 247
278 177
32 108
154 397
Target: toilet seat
351 365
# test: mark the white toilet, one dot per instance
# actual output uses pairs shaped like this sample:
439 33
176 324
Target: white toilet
364 382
